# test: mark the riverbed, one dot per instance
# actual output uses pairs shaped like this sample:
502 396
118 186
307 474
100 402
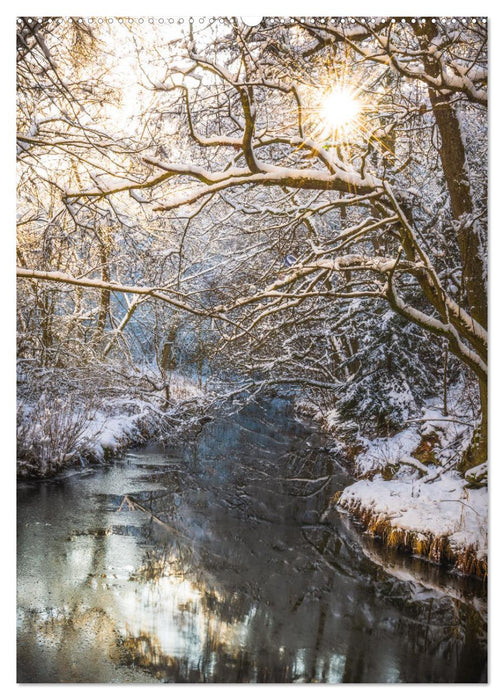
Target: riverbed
209 561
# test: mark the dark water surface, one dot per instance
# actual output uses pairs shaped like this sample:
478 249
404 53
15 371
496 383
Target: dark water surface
207 561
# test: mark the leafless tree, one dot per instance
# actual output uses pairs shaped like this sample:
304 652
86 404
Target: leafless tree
239 162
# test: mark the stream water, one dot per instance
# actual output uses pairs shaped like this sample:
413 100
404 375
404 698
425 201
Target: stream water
207 562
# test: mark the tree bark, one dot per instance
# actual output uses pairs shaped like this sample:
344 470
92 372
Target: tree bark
457 176
104 306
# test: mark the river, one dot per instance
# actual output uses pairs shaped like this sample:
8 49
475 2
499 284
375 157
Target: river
207 561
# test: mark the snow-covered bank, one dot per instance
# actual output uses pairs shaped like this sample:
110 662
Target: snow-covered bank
439 518
123 422
410 494
54 433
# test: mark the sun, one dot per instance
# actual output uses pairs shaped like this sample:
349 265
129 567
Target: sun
340 108
335 113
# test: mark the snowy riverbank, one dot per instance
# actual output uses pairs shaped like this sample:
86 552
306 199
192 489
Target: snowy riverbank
437 517
410 495
55 432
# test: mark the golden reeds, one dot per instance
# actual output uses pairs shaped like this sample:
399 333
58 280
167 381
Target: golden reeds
434 548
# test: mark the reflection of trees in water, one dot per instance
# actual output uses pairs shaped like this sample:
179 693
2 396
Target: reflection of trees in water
217 663
310 635
247 537
239 582
80 644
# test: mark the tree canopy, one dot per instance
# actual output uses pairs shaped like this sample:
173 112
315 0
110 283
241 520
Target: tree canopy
304 201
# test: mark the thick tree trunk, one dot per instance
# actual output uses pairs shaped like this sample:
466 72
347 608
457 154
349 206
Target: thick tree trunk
470 245
477 452
457 176
456 173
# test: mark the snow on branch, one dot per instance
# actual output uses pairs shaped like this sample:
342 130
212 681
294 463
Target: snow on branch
95 283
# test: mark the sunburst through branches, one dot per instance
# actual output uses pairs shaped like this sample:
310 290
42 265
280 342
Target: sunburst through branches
340 109
337 110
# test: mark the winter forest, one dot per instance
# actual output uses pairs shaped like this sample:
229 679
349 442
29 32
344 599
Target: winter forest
252 349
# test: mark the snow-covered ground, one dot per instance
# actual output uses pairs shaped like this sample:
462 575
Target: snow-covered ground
54 433
121 422
410 494
435 516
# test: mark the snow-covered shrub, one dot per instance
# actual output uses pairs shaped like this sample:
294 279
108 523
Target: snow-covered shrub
379 403
88 414
399 369
52 432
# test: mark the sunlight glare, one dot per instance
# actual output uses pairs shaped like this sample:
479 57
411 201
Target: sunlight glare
340 108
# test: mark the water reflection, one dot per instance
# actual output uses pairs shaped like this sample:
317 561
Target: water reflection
207 562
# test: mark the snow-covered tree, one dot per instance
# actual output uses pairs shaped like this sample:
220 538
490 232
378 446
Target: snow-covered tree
307 177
